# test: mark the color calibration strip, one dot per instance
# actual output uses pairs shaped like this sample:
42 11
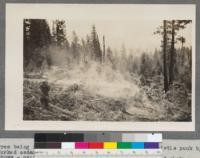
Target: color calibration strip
110 145
78 141
98 145
100 137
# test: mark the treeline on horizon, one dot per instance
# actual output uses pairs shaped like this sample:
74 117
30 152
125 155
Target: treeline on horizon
46 46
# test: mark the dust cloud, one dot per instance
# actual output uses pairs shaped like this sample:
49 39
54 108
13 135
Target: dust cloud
96 78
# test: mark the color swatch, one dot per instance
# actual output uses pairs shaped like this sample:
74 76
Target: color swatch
77 141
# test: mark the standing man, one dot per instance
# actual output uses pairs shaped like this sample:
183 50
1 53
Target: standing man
45 88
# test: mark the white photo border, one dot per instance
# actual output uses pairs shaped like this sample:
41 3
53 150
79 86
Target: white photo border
15 13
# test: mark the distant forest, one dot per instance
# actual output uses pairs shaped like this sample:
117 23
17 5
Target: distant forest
46 46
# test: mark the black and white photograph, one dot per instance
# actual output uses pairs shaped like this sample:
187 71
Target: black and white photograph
108 63
69 77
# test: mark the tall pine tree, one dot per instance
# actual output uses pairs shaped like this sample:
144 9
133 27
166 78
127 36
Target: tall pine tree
37 38
96 49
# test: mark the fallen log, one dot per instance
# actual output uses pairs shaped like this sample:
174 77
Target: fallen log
29 100
71 114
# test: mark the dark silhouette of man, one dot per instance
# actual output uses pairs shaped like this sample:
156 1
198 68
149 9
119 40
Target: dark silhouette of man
45 88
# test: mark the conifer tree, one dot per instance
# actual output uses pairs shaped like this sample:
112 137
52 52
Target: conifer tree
96 49
37 38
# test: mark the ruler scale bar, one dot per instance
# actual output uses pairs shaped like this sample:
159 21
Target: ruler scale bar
105 152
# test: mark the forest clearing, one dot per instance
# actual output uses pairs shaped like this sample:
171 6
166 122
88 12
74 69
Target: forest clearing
89 81
78 100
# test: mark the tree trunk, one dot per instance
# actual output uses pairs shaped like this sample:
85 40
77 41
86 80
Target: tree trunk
166 87
171 66
104 51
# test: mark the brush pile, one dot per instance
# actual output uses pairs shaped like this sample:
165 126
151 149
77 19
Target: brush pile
76 102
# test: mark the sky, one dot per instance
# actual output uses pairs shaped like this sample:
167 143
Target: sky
133 34
129 25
